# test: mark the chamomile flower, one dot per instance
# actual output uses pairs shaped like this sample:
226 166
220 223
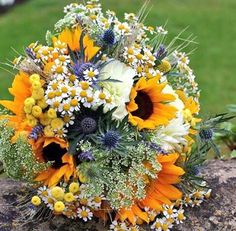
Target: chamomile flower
118 226
169 211
61 47
60 71
161 30
180 216
91 74
85 201
43 191
84 213
69 120
157 225
97 201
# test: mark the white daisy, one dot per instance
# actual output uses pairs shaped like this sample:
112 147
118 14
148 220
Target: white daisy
85 214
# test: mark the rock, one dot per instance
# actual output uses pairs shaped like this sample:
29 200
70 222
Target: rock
217 214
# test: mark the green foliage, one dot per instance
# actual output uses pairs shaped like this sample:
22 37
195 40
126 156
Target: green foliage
122 177
18 159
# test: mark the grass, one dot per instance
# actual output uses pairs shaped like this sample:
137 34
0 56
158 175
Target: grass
212 21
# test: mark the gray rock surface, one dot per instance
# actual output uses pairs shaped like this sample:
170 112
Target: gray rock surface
217 214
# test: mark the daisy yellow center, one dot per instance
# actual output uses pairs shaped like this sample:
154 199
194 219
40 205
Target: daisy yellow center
84 85
59 70
72 78
58 93
66 119
51 95
90 99
84 214
97 199
139 56
56 104
62 58
66 107
54 86
74 102
181 216
130 51
165 227
64 89
91 74
158 225
83 201
170 211
102 96
45 52
73 93
121 27
83 94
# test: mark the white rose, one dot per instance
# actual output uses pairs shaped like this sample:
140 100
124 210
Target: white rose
120 91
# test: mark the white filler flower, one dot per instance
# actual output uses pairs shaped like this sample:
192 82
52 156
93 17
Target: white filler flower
119 88
173 135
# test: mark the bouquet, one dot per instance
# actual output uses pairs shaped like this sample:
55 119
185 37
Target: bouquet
104 123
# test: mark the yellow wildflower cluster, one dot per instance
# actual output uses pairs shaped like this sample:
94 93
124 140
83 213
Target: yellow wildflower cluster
36 110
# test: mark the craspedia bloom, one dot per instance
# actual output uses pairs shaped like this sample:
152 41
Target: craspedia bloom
59 207
148 107
36 200
164 66
74 187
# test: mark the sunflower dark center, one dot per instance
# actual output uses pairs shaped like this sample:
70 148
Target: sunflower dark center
145 106
53 152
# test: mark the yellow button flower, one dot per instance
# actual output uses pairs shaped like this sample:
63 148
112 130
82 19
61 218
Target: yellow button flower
74 187
165 66
69 197
52 114
58 193
36 111
59 207
34 77
36 201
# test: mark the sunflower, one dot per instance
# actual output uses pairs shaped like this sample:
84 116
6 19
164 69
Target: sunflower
21 90
72 38
158 192
148 106
55 151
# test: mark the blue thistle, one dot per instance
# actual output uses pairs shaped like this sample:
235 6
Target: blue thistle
30 53
109 37
88 125
111 139
79 69
161 52
195 170
206 134
36 132
86 156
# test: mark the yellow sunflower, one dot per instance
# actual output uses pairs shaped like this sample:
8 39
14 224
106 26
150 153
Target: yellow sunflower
72 38
21 90
148 106
158 192
54 150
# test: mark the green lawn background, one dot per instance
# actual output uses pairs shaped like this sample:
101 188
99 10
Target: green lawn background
212 21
